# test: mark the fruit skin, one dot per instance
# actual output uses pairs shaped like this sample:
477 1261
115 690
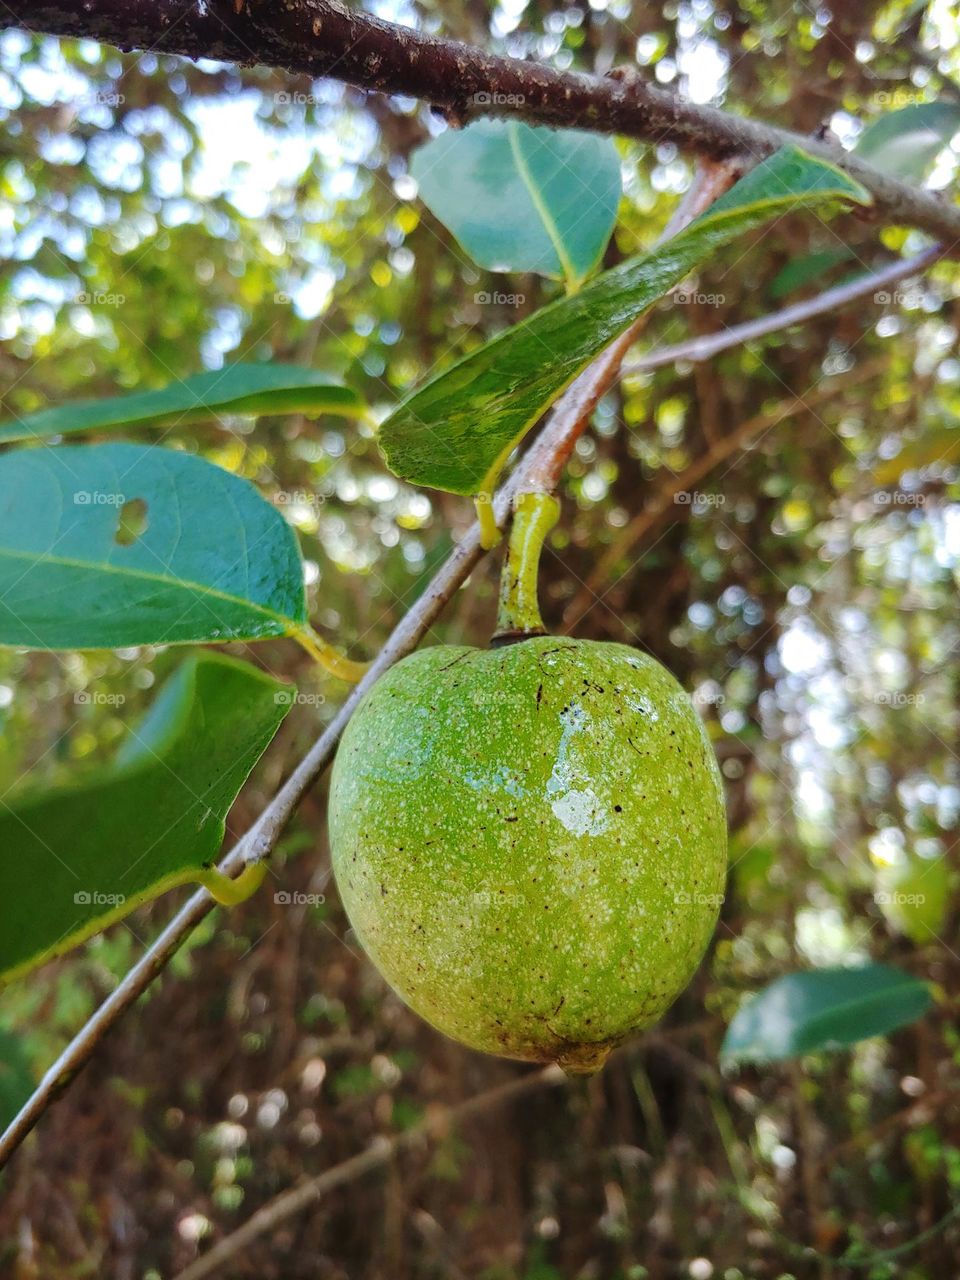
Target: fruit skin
530 842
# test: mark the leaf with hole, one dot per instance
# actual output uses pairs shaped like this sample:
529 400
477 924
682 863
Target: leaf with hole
823 1009
250 389
906 143
75 858
457 431
111 545
523 198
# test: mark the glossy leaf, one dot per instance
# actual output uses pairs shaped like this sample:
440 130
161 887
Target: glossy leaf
520 198
456 432
252 389
823 1009
106 546
906 143
76 858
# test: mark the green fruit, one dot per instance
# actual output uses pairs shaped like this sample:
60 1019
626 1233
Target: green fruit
530 842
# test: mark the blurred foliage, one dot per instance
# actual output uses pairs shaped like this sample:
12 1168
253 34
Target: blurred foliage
158 218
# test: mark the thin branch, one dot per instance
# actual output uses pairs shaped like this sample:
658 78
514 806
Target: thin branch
578 402
567 421
644 521
289 1203
326 38
262 836
696 350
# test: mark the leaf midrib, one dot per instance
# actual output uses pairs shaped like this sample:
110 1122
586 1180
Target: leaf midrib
552 230
291 624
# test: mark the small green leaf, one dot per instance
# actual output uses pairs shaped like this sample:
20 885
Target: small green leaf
111 545
456 432
75 858
523 198
823 1009
906 143
253 389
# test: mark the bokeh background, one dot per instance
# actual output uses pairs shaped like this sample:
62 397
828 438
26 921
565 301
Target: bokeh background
158 218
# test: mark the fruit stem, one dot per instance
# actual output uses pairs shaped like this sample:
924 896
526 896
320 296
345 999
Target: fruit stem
329 657
518 616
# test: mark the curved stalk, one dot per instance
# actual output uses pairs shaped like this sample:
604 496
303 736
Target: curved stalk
329 657
534 515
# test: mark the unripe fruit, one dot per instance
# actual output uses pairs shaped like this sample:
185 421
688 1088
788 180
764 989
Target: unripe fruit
530 842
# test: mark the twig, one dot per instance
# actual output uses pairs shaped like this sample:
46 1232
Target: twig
289 1203
566 423
260 839
578 402
705 347
328 38
645 520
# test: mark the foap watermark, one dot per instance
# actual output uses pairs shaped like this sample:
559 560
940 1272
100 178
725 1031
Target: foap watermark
497 299
99 298
295 698
694 498
285 99
896 899
294 898
896 699
706 697
684 899
299 498
492 897
102 98
87 699
912 298
696 298
97 898
98 498
898 97
484 99
899 499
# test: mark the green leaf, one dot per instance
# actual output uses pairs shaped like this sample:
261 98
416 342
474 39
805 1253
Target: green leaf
520 198
252 389
75 858
107 546
456 432
906 143
16 1075
823 1009
802 271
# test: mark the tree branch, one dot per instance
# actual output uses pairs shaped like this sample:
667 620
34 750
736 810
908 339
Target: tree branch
262 836
724 448
289 1203
325 38
541 464
705 347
